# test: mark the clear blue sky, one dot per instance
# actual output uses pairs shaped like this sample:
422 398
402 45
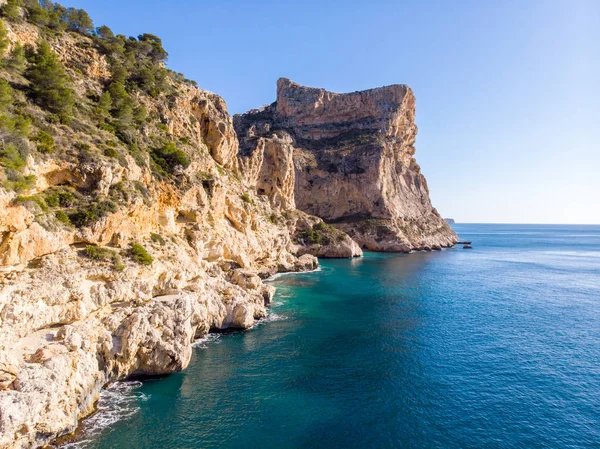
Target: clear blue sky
508 93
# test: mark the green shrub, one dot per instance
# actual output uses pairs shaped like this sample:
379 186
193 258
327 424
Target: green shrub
107 127
10 10
12 158
6 94
321 226
313 237
111 152
45 142
140 115
62 217
63 199
157 238
92 213
104 255
81 146
20 183
3 38
17 59
97 253
169 157
32 199
22 124
140 255
246 198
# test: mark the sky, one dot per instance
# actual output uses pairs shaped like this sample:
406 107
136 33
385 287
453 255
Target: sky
508 93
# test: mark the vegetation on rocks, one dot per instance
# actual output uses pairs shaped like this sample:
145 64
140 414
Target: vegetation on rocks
320 234
91 213
49 83
52 107
140 255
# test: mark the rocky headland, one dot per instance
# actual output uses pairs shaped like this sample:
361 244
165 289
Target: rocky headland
134 219
353 160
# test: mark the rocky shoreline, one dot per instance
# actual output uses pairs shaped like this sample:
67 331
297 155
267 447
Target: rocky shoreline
126 242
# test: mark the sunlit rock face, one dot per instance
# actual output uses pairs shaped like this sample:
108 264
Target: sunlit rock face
354 163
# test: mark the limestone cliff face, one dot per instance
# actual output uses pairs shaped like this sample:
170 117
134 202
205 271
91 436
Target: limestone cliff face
78 308
140 228
353 162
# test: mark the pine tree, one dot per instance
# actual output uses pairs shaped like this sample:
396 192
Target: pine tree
3 38
5 95
50 83
105 103
11 10
17 58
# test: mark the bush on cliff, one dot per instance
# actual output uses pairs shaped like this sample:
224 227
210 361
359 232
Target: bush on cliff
6 95
97 253
50 83
17 60
45 142
169 157
10 10
92 213
3 38
320 234
140 255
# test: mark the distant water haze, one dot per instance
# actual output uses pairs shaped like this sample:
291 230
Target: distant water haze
507 92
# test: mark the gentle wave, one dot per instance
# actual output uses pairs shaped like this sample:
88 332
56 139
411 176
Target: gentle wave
278 275
203 342
271 317
118 401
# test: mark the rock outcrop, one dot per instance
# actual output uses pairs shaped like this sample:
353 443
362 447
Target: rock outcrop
141 223
111 265
353 162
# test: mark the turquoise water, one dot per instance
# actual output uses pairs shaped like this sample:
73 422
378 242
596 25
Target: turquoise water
495 347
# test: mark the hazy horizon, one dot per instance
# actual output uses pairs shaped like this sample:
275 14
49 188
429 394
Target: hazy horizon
507 94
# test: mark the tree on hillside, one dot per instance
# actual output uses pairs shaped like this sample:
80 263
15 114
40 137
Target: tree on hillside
17 59
3 38
157 53
10 10
104 32
50 83
79 21
5 95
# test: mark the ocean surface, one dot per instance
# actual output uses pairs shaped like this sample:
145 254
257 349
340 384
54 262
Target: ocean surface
493 347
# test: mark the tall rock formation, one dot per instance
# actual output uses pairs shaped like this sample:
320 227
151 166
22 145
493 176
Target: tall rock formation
133 222
353 162
128 225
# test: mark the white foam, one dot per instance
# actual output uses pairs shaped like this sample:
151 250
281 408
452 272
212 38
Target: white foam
287 273
117 402
203 342
271 317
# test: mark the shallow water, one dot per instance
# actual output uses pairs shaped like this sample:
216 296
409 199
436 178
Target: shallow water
497 346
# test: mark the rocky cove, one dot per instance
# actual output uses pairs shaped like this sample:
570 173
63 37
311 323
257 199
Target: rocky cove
149 216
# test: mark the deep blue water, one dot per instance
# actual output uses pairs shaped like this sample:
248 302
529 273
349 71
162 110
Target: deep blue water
494 347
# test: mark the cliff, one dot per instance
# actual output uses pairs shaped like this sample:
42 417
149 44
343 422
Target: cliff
132 220
353 162
128 226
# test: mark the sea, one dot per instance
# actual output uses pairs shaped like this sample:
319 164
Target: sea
497 346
